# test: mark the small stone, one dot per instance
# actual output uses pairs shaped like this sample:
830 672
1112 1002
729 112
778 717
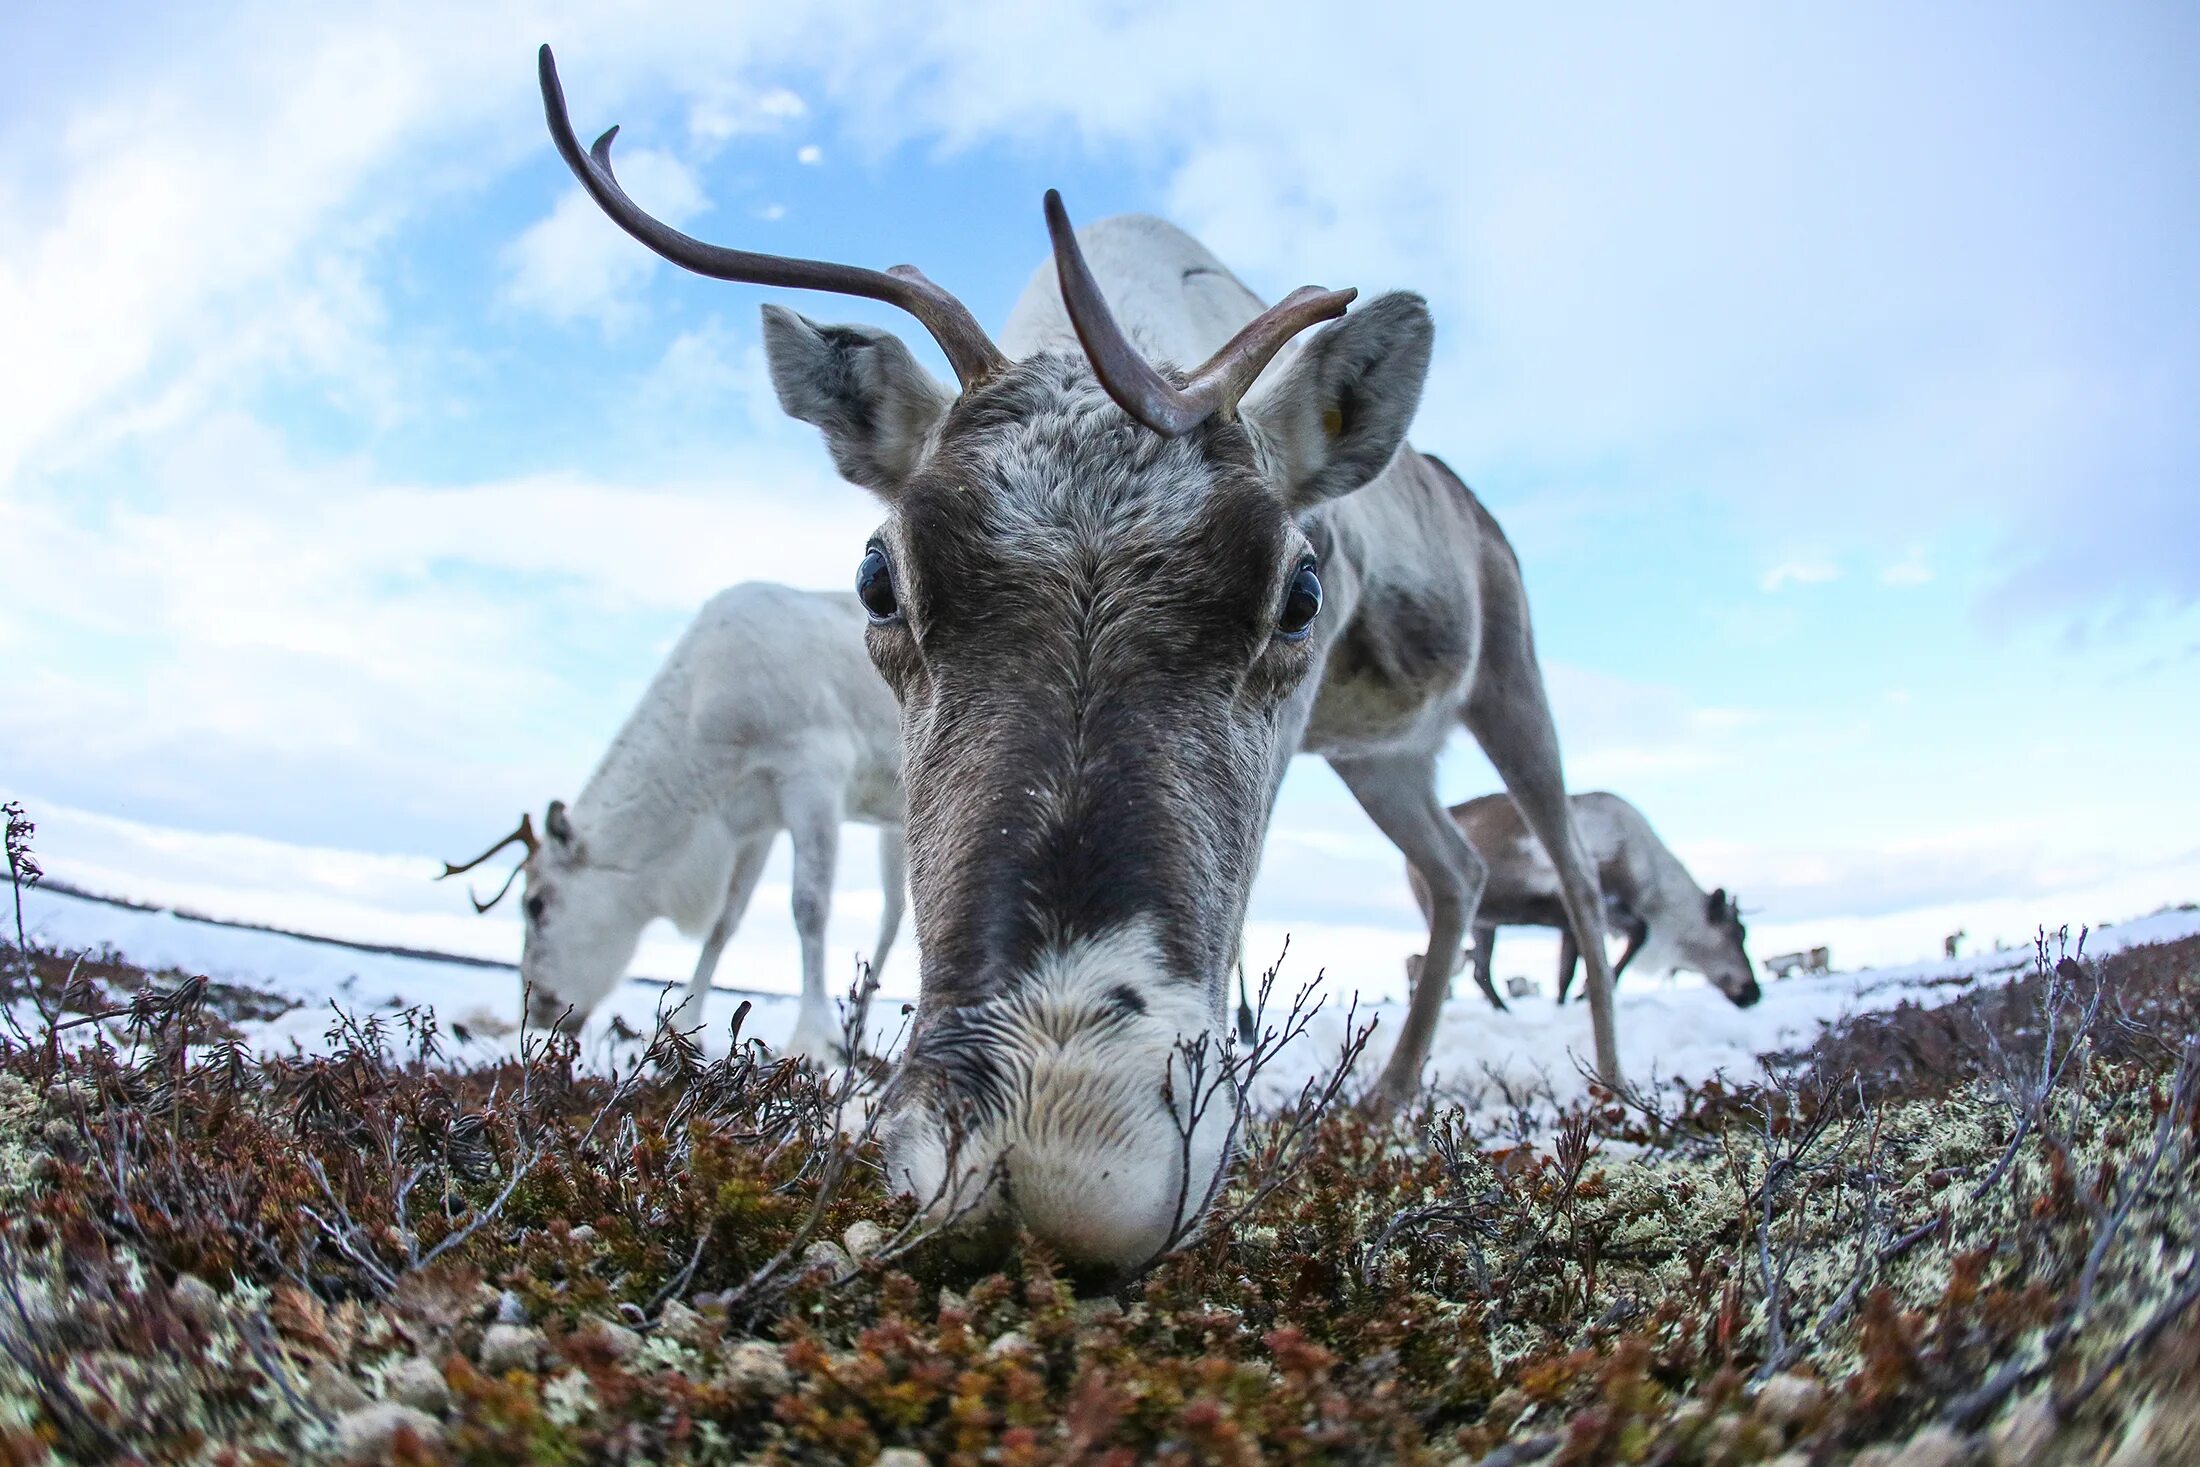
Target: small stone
1874 1457
511 1347
486 1302
416 1382
826 1254
334 1391
1014 1342
510 1308
1788 1399
1092 1311
678 1322
901 1457
2024 1433
584 1235
615 1340
949 1299
367 1434
754 1367
195 1297
1935 1446
863 1238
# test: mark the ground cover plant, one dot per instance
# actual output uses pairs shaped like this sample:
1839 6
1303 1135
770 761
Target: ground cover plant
1939 1235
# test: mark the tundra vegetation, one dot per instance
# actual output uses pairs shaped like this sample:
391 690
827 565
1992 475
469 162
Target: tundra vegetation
1939 1235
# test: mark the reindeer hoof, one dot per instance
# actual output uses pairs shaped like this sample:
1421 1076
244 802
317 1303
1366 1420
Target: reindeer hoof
824 1051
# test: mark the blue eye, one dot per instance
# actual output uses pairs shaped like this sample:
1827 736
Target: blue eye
1302 602
875 586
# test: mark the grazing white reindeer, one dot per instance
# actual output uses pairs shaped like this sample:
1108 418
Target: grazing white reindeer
767 716
1650 899
1114 600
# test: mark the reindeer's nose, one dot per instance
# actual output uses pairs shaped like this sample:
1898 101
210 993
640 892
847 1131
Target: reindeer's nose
1749 995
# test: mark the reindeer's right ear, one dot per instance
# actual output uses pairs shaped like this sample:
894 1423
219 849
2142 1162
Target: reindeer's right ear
874 403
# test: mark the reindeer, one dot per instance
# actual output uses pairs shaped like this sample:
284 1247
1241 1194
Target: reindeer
1650 899
767 716
1114 600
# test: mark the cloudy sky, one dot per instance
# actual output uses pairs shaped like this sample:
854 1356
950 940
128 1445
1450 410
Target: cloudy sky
1833 371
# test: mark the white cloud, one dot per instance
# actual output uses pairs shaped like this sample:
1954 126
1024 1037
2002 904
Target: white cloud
735 111
809 153
574 264
1911 570
1799 573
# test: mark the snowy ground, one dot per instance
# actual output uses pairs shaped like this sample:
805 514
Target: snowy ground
1667 1031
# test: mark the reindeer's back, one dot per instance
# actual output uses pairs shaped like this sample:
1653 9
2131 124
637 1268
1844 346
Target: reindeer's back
771 668
1173 297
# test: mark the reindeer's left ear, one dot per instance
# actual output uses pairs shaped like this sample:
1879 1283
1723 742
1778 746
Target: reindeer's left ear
1335 416
1714 907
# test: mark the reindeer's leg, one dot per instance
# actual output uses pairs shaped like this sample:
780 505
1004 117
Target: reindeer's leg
1485 957
1511 720
893 877
813 816
1399 795
748 865
1638 932
1569 958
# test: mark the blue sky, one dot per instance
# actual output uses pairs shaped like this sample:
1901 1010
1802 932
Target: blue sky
1833 372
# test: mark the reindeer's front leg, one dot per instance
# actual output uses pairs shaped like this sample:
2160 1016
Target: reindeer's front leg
1399 795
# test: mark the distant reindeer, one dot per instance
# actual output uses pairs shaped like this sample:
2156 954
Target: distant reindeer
767 716
1806 962
1948 943
1669 922
1115 599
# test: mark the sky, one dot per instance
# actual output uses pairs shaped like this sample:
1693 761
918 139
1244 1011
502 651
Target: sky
1832 370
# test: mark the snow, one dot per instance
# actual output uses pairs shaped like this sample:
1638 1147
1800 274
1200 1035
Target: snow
1666 1031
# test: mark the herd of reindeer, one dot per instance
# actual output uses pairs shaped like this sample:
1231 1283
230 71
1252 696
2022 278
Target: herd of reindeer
1156 540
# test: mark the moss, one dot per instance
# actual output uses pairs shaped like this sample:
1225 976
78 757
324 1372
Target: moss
210 1253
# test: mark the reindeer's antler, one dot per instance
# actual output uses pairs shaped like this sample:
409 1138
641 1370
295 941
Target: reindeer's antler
969 350
1132 381
524 834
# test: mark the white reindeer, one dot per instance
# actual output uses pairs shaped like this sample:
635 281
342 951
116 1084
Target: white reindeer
767 716
1670 923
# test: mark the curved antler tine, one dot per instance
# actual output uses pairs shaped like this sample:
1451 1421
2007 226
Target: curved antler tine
524 833
969 350
1227 375
1126 374
1133 381
483 906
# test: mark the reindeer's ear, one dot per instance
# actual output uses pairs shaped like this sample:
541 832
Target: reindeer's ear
1714 907
861 386
1336 415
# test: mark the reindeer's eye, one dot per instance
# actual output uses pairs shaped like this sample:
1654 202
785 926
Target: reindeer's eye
1302 602
875 586
534 907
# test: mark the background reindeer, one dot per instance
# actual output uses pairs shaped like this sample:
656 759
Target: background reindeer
767 716
1114 600
1668 921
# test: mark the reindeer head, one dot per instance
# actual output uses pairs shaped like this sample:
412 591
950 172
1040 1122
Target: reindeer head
1716 949
582 924
1097 600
